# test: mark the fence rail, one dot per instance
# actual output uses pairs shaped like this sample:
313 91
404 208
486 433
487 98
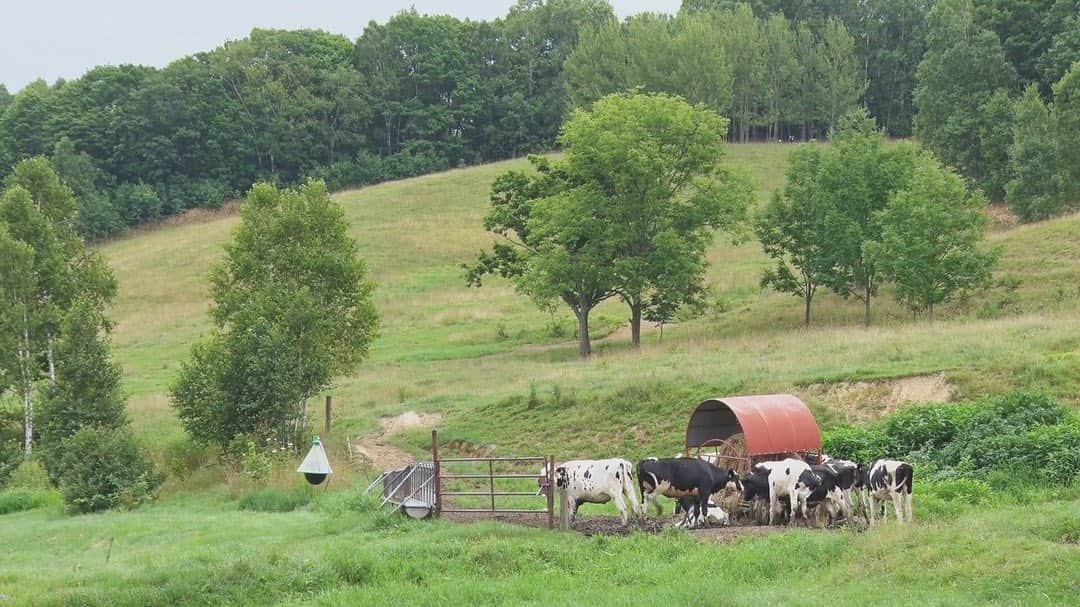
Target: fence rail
441 479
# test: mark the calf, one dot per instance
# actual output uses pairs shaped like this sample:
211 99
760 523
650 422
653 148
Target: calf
596 482
683 479
887 479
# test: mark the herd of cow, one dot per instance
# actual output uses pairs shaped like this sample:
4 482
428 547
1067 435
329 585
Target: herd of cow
699 486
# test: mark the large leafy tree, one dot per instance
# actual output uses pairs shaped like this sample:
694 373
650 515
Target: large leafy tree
651 164
930 236
1066 121
958 95
1036 188
627 212
48 270
555 246
292 311
87 388
794 229
857 176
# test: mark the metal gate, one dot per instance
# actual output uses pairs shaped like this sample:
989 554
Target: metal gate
450 473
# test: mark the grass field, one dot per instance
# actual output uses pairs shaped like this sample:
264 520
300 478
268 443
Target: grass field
506 378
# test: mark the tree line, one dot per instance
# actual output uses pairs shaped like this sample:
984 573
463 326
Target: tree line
422 93
413 95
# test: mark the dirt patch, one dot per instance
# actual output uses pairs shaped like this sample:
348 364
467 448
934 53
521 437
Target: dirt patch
864 401
379 454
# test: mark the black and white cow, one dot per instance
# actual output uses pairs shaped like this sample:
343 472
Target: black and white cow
887 479
690 479
847 473
596 481
829 490
775 480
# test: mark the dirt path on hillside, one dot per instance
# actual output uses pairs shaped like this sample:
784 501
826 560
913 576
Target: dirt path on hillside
378 453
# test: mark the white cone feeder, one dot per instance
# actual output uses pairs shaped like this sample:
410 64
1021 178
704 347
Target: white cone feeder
315 465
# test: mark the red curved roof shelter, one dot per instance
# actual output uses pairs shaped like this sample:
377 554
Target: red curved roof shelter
770 424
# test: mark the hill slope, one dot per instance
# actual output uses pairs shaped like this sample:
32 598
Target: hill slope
505 381
445 347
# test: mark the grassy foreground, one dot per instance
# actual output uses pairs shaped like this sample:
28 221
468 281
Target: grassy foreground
506 378
201 550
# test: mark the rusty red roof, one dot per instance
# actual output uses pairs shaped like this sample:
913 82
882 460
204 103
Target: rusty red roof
770 424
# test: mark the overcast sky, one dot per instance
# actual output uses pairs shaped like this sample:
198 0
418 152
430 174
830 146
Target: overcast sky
53 39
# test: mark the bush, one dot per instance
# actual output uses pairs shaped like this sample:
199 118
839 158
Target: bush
964 490
100 469
276 500
18 500
856 444
1021 432
29 475
184 456
924 427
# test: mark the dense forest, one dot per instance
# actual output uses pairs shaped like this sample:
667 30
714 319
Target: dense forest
981 83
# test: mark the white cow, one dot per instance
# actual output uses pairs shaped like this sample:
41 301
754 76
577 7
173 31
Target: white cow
784 481
598 481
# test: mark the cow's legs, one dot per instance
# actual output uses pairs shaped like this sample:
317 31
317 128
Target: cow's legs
621 505
793 501
774 503
872 507
703 508
897 505
910 515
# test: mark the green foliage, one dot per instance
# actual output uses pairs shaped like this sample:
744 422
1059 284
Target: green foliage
276 500
87 387
1066 121
930 236
1035 191
19 500
968 491
29 474
1022 434
293 310
99 469
960 83
628 211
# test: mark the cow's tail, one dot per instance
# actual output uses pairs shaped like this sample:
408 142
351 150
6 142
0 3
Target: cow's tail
628 487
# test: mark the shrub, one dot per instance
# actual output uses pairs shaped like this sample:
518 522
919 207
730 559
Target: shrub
184 456
856 444
924 427
964 490
18 500
100 469
29 475
275 500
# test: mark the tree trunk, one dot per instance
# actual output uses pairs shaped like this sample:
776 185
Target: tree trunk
635 325
809 298
866 305
27 387
52 365
930 312
584 345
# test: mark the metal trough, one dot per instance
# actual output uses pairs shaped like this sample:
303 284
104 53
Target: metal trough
410 489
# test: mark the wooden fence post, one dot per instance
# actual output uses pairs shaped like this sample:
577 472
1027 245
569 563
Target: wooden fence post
329 407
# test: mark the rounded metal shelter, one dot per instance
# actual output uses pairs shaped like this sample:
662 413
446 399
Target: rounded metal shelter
742 430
